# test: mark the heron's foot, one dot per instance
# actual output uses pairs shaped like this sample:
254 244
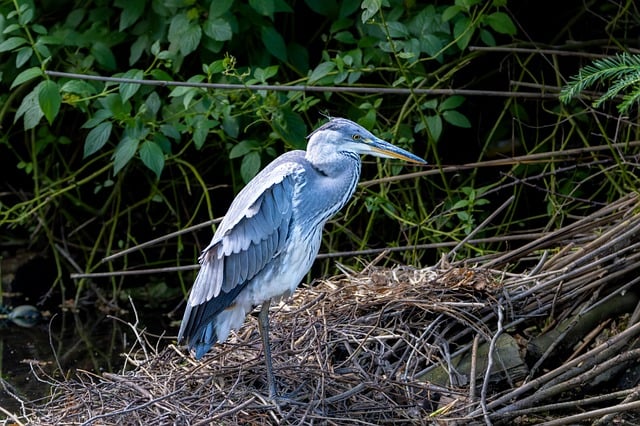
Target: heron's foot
283 400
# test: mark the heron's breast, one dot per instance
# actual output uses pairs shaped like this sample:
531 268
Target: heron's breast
285 272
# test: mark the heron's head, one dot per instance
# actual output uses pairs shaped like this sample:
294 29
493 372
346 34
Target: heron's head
342 135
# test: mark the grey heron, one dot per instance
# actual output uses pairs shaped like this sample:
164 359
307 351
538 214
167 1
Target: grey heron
271 234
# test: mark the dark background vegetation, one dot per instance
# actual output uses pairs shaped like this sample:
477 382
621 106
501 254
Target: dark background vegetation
90 168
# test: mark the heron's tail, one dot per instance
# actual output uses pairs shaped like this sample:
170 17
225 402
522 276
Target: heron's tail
210 322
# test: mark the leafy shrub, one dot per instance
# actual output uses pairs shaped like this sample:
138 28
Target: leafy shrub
128 153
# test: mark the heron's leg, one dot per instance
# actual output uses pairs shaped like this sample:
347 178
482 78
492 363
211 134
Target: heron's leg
263 323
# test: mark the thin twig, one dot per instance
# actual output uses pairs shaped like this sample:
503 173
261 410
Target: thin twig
303 88
477 229
161 239
487 373
572 420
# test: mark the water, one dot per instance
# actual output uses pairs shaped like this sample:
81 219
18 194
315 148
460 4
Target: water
62 343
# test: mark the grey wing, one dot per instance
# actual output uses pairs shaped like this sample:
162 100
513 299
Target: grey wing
254 231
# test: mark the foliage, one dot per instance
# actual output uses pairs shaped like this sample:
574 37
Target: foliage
622 70
96 166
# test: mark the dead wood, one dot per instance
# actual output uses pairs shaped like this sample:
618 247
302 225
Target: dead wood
449 344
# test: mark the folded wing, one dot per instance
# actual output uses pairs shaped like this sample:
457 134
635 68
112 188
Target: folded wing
254 231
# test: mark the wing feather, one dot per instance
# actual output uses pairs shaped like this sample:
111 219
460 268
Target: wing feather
252 234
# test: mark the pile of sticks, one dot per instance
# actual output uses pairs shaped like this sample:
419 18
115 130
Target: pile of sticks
558 343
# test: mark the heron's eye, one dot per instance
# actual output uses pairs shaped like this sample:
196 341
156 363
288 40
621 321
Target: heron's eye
356 137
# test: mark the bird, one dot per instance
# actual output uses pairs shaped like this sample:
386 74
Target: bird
271 234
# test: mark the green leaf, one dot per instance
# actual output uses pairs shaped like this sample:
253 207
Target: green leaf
137 48
348 7
274 43
218 29
152 157
321 71
26 75
103 55
456 118
30 109
243 148
170 132
184 35
219 7
370 8
345 37
26 16
501 23
23 56
434 123
98 117
397 29
291 127
263 7
11 43
190 39
230 126
451 102
153 103
49 99
97 137
467 4
127 90
460 204
201 127
131 11
431 44
10 28
263 74
430 104
79 87
250 166
124 152
323 7
451 12
463 31
487 37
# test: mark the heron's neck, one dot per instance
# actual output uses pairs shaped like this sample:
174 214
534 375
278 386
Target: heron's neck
336 165
333 183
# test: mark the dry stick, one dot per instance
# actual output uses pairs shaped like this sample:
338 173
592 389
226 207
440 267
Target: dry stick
132 384
11 416
567 273
503 206
571 420
631 397
572 374
556 52
228 412
610 346
602 276
303 88
487 373
492 163
474 366
160 239
353 253
585 282
542 157
596 246
552 347
131 409
134 272
570 404
134 327
569 381
588 222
